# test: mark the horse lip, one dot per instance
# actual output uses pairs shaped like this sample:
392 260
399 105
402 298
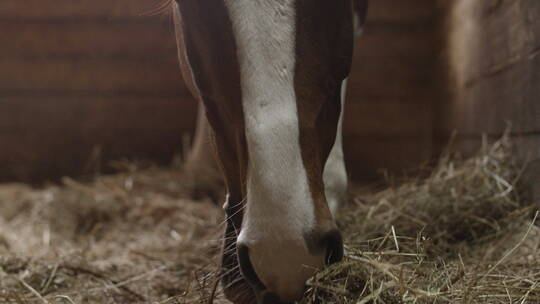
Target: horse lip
263 295
268 297
247 269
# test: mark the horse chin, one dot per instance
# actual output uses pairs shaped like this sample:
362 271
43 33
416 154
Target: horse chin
239 293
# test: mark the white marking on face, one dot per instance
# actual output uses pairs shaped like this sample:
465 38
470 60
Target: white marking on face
280 209
335 174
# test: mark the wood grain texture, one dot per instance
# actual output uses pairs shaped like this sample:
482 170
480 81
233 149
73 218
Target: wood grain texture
395 76
375 155
501 84
84 83
389 112
76 10
57 136
90 74
135 40
394 39
404 12
395 117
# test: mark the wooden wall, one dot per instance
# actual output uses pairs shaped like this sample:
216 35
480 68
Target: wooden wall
494 60
89 77
389 118
85 82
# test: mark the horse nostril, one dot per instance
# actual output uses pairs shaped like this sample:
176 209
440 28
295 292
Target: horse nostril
328 243
334 247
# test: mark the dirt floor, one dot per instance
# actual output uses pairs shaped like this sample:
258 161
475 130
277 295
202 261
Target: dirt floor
461 234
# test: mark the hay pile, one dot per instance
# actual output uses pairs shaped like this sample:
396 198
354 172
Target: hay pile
461 235
128 238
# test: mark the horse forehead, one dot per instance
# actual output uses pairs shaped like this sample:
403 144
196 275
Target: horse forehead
249 17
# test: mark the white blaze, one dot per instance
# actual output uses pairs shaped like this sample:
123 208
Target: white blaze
280 207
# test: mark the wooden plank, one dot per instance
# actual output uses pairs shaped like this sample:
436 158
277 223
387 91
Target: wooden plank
410 11
504 37
79 9
52 157
508 97
91 74
392 40
391 77
47 138
399 11
531 17
503 83
367 157
390 117
132 40
54 113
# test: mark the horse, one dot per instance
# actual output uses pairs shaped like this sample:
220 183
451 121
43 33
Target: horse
271 76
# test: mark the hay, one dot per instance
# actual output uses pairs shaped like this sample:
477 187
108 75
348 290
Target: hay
128 238
461 235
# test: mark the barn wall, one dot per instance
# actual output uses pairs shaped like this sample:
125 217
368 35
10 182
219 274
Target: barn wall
89 81
389 118
85 82
494 60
